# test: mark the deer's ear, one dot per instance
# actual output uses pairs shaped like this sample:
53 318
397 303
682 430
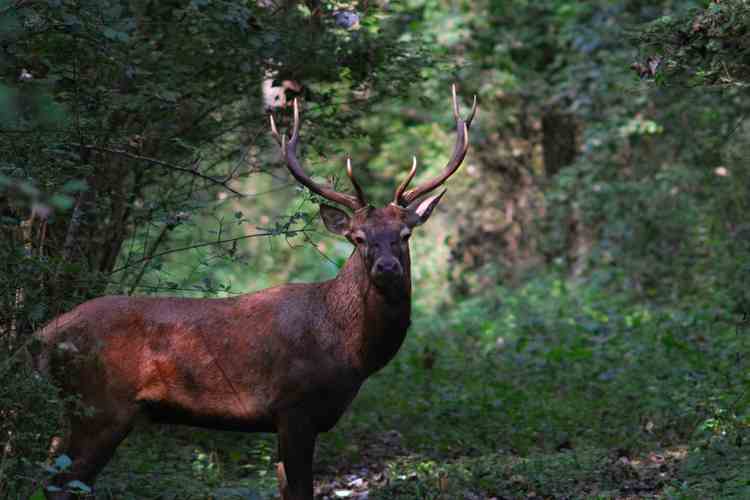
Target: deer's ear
336 220
420 211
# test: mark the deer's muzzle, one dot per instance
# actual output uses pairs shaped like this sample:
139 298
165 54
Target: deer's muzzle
387 267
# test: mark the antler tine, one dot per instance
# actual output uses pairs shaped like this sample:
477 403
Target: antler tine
357 188
459 153
473 112
400 189
456 113
289 152
295 126
274 131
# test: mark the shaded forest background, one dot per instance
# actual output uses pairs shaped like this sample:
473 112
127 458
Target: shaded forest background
581 299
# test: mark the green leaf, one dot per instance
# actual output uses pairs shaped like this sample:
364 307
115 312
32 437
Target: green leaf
63 462
114 12
72 22
75 186
79 486
38 495
61 201
117 36
169 95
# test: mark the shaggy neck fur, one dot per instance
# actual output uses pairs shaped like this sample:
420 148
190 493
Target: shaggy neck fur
377 319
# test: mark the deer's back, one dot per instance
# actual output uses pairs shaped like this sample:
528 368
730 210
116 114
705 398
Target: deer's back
214 362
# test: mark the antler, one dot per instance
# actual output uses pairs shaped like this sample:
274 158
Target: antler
459 152
400 189
289 152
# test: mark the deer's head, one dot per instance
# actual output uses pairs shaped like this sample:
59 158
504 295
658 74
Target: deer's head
380 235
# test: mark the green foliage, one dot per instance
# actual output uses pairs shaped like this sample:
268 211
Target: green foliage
702 47
129 134
521 376
579 300
553 389
24 439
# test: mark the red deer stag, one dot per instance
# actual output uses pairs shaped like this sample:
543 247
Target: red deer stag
287 360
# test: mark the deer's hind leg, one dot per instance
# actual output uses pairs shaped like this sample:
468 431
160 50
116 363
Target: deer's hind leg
91 442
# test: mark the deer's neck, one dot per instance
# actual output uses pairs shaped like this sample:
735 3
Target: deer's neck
375 321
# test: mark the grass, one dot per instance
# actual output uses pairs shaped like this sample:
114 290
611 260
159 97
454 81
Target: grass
543 392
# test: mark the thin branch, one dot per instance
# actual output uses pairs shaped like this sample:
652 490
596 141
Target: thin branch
16 5
71 237
196 289
147 258
205 244
167 165
310 242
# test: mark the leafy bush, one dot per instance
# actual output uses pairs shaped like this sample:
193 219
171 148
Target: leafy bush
30 413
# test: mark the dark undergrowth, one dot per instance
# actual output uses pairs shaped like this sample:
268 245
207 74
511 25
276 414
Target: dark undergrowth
549 391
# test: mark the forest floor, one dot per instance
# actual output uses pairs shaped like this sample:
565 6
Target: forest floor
169 463
546 394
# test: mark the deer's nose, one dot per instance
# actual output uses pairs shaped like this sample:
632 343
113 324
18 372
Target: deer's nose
388 266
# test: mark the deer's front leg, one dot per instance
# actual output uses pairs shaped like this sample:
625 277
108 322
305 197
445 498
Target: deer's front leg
296 436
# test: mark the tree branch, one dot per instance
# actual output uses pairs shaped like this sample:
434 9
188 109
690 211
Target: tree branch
207 244
167 165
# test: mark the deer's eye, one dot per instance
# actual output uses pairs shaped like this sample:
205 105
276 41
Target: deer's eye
359 240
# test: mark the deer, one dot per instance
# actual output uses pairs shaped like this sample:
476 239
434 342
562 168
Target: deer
287 360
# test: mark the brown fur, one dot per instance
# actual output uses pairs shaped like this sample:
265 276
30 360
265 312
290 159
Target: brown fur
288 359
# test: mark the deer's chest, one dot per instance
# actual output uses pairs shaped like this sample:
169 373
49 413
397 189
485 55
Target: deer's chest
321 387
328 404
